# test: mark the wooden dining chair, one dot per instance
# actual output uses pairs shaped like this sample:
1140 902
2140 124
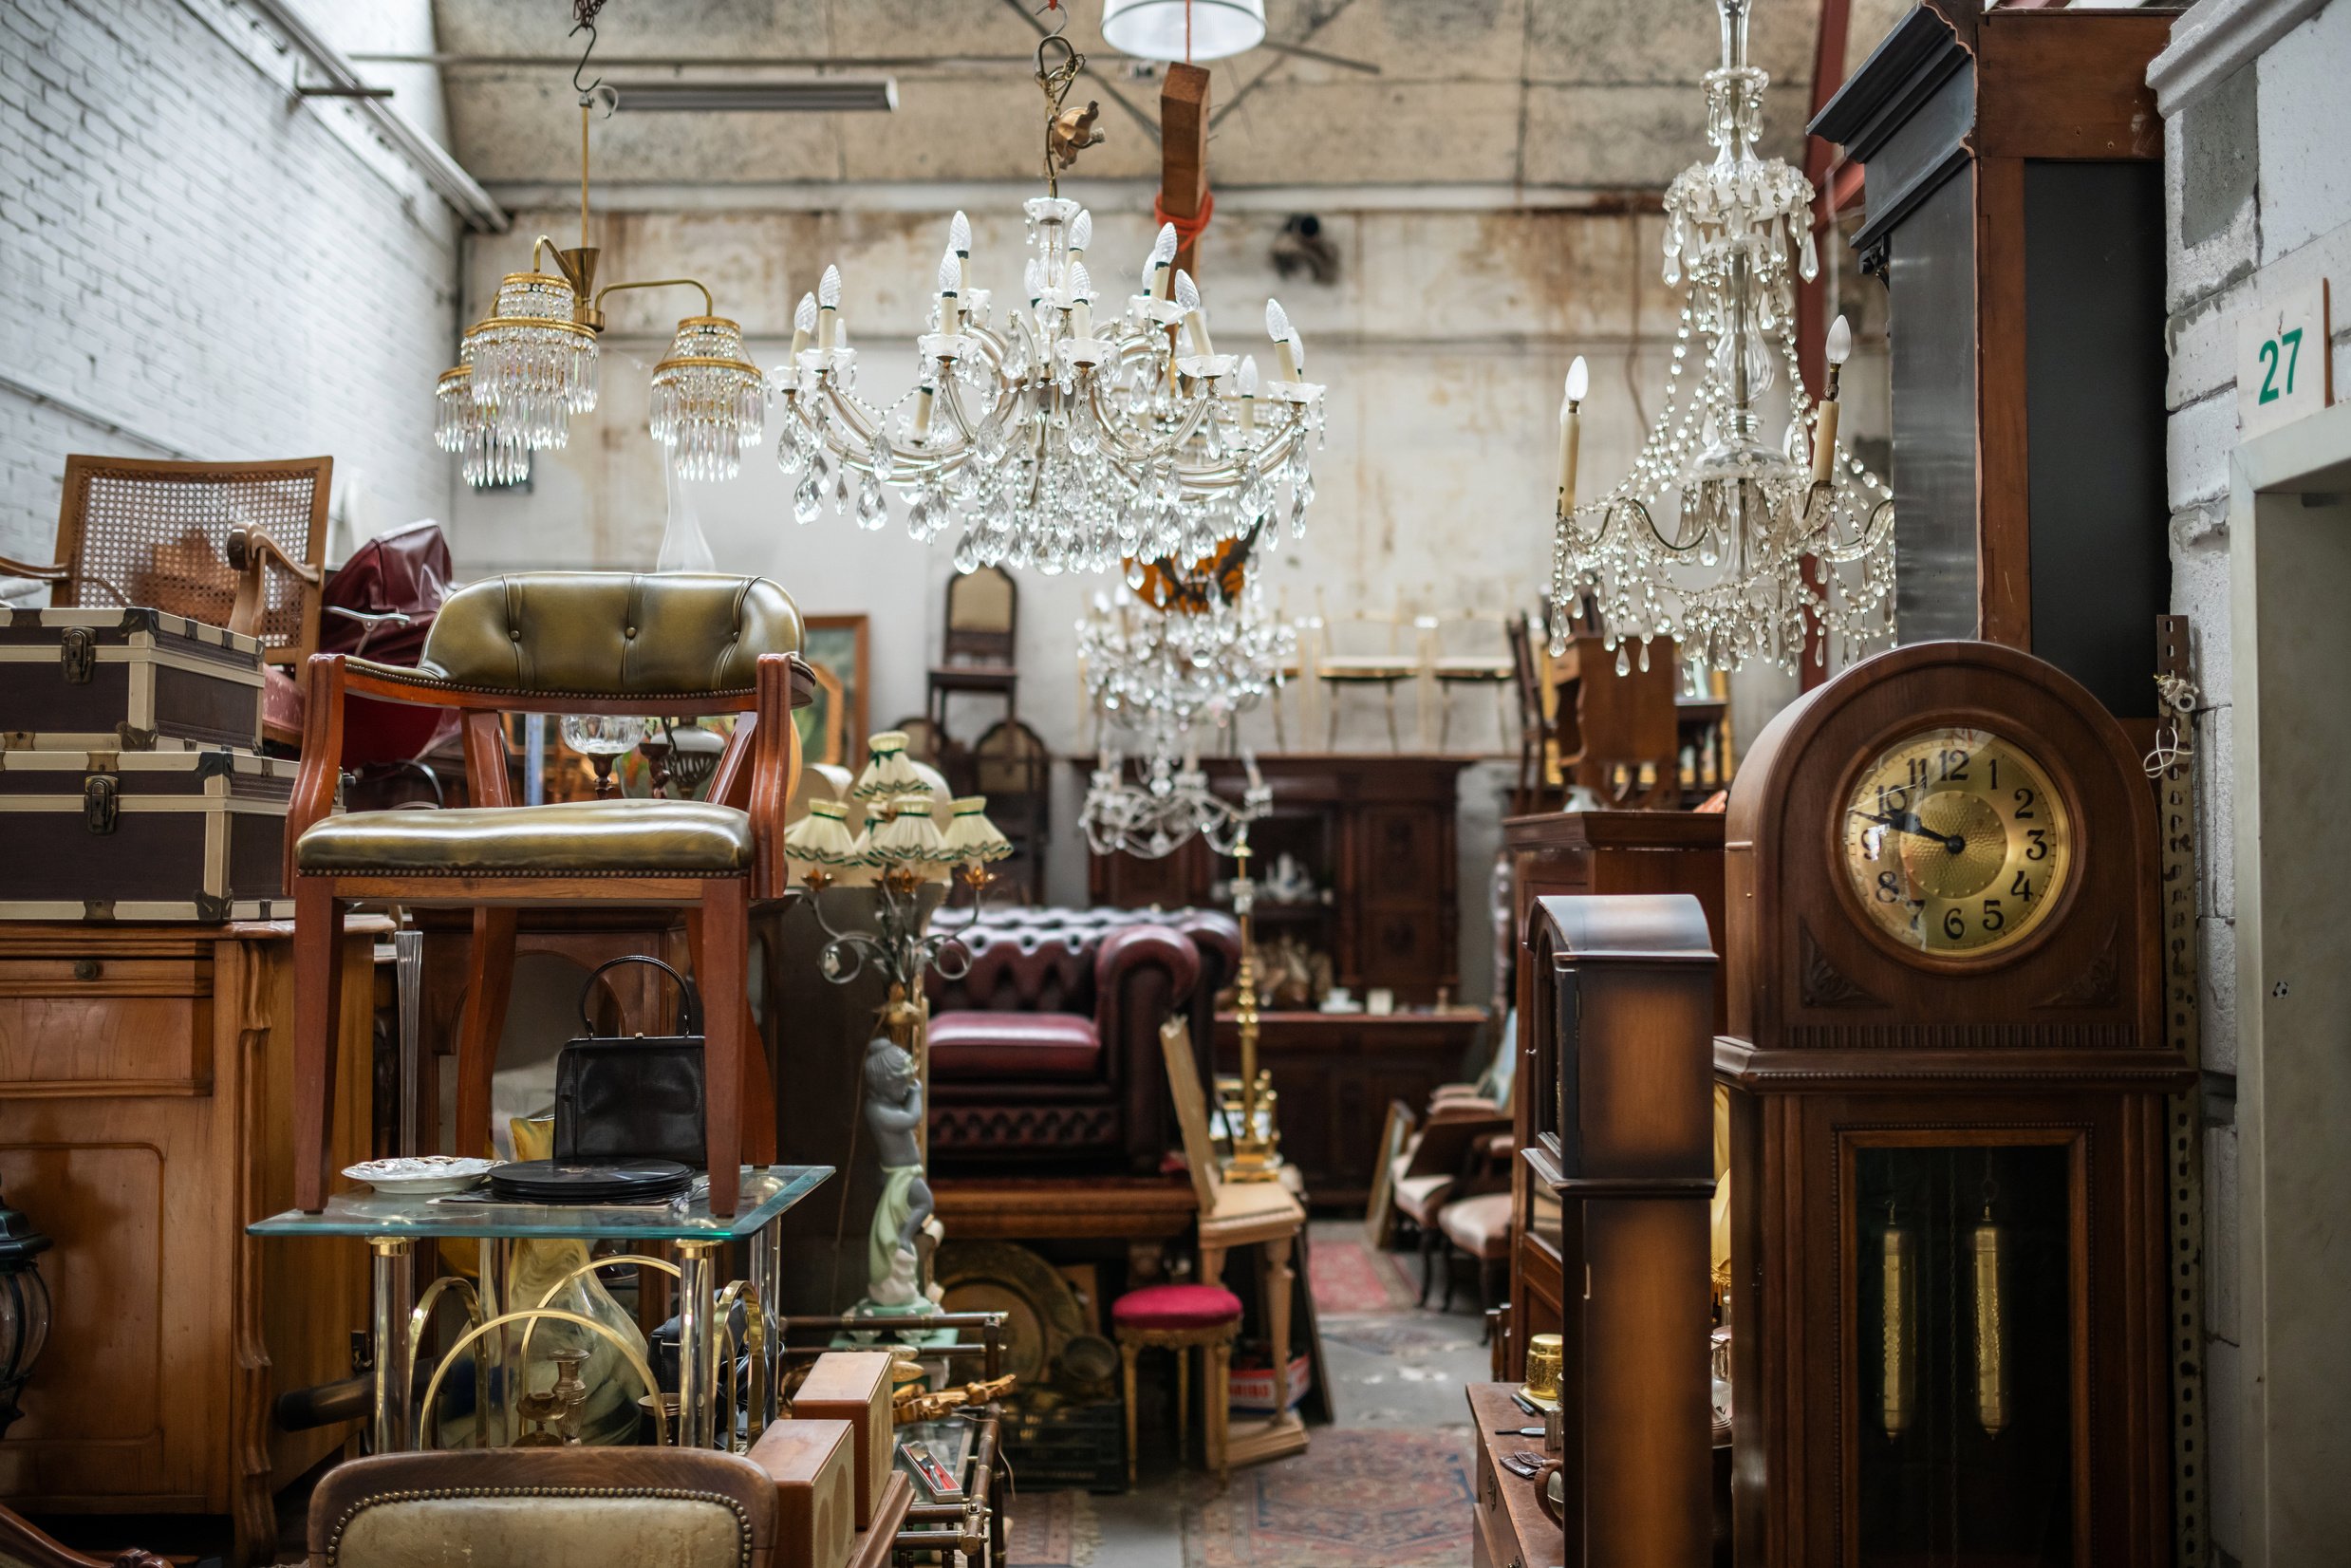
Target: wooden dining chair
561 642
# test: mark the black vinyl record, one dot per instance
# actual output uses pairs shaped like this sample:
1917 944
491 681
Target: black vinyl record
589 1181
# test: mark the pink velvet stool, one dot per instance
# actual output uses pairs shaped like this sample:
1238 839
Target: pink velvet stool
1182 1317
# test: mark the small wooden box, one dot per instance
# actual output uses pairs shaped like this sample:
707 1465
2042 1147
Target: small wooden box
853 1386
125 679
816 1496
157 835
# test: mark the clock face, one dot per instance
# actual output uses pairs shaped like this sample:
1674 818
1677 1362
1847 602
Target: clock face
1955 841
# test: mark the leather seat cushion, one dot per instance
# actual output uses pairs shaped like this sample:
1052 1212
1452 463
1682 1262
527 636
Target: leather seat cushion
684 837
973 1046
1419 1197
1480 1226
1176 1307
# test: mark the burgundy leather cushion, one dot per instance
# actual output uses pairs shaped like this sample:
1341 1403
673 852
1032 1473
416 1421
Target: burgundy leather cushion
973 1045
1176 1307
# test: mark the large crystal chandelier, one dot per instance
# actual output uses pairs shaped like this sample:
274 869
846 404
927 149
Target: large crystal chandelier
1188 652
529 365
1055 434
1735 546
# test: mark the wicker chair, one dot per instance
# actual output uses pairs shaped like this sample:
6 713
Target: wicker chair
234 544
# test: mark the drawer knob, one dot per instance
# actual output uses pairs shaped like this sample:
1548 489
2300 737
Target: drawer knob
86 969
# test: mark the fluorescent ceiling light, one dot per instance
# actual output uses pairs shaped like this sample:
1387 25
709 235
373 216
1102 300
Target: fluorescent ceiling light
800 95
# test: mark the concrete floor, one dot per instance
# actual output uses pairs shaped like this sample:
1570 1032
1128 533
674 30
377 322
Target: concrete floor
1404 1368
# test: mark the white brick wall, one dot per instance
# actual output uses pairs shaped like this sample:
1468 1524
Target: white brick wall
193 258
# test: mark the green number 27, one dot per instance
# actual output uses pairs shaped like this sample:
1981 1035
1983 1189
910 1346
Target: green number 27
2270 391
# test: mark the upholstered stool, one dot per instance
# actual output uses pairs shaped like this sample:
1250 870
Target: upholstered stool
1179 1317
1481 1227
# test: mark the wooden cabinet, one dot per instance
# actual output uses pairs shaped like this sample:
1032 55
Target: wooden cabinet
1336 1073
1373 834
145 1118
1584 852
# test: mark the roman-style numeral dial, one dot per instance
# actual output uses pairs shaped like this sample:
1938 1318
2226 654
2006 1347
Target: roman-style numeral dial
1955 841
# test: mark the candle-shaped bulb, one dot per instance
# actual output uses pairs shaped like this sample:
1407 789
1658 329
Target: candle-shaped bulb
1298 353
1840 347
1277 321
1081 281
803 324
1081 231
1245 379
829 288
1163 247
959 234
1032 279
1081 300
949 278
1579 380
1186 291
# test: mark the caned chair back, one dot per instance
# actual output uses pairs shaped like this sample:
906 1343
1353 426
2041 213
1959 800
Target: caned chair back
157 533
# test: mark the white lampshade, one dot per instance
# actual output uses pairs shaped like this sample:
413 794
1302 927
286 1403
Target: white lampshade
1153 29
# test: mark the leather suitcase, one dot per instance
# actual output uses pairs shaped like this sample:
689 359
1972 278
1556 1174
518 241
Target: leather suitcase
131 680
157 836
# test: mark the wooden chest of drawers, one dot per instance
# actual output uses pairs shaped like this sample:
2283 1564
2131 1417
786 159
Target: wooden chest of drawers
145 1118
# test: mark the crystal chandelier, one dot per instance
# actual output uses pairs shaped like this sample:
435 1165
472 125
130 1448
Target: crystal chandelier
1734 545
1191 651
529 365
1055 435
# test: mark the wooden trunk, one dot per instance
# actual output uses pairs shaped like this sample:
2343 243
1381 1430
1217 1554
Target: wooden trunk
128 680
145 1118
195 835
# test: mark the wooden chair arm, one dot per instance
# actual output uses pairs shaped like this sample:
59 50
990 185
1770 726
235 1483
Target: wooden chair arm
774 768
56 572
323 682
252 553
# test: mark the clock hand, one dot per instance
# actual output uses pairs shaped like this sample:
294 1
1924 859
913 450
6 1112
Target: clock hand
1908 822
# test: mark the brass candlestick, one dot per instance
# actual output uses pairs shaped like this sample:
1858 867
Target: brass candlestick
1255 1157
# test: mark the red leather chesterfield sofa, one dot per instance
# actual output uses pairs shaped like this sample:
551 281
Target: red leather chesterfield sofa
1046 1054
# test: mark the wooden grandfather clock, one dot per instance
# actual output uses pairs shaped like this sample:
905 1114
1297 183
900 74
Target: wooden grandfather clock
1946 1065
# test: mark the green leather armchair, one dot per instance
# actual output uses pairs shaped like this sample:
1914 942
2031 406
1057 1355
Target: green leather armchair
560 643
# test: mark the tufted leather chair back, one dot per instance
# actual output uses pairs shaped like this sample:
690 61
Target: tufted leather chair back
1029 967
610 633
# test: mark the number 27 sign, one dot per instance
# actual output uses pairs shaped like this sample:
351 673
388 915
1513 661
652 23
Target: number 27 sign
2283 368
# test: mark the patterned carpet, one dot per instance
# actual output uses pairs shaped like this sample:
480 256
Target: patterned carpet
1354 1499
1051 1530
1348 1277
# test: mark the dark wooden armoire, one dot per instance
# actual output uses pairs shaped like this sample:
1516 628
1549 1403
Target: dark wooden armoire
1946 1062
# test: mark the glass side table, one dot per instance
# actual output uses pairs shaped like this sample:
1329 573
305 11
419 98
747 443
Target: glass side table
393 1225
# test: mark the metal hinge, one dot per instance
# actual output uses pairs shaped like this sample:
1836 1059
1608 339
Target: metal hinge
101 802
77 653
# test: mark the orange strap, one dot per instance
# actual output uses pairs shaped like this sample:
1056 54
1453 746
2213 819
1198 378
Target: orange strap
1188 229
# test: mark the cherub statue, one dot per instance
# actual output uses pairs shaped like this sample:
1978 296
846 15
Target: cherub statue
894 1112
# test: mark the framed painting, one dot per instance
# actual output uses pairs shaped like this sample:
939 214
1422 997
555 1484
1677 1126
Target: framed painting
834 645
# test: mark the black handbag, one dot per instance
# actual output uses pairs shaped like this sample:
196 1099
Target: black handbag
633 1097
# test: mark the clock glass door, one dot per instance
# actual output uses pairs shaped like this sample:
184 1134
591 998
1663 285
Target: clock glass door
1963 1358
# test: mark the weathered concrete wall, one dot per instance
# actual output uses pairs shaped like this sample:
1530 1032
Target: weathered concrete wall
2258 203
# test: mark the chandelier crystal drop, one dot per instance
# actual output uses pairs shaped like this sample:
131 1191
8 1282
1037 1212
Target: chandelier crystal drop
1056 433
488 452
1733 545
708 402
1158 674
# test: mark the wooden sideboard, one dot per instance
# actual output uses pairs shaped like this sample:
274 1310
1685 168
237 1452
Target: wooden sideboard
1585 852
145 1118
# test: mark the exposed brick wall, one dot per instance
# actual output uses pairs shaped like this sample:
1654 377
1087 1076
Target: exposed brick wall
189 255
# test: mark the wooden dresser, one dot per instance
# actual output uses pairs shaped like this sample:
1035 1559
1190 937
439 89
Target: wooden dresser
145 1118
1585 852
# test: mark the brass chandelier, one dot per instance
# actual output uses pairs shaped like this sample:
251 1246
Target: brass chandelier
527 366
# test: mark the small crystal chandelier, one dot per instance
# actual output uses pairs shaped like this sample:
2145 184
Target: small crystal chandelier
1732 546
529 365
1188 650
1055 437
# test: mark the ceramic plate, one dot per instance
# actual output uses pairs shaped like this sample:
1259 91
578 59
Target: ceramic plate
422 1175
